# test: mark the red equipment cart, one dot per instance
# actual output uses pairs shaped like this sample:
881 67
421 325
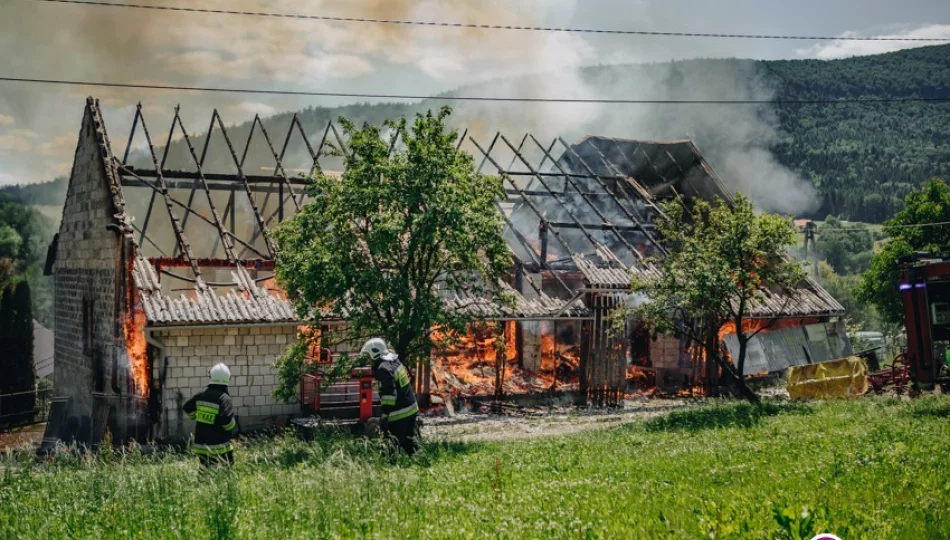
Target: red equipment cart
350 399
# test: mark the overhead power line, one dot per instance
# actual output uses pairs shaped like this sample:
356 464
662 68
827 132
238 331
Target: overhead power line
476 98
852 229
480 26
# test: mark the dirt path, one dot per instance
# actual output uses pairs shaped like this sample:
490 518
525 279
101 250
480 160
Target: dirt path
543 422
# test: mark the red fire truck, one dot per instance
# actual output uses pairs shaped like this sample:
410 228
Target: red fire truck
925 295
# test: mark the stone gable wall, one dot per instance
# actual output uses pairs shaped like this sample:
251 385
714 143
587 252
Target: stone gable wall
86 270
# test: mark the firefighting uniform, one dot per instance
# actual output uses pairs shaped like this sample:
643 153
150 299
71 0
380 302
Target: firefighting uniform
214 422
398 401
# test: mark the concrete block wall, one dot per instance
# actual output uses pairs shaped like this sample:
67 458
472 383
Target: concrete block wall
249 351
86 270
666 356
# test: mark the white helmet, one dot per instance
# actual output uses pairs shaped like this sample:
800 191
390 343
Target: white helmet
375 348
220 374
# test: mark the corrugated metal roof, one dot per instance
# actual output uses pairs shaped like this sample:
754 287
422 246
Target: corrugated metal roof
615 277
203 305
808 300
249 303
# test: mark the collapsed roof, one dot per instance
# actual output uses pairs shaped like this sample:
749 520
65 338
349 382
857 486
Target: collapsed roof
200 209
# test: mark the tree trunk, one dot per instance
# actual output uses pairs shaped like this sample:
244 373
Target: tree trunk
730 373
743 347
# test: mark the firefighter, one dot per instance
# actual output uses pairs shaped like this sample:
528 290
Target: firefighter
398 400
214 419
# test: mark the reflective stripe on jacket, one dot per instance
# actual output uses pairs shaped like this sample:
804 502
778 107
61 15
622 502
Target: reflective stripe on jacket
395 388
214 420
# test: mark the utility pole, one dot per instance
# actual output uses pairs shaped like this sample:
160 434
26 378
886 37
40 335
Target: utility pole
810 231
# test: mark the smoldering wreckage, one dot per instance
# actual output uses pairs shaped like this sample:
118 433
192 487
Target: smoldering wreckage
163 266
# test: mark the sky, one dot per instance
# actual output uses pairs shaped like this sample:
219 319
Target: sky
39 123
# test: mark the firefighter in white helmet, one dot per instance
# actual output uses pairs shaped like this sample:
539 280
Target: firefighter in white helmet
214 419
396 397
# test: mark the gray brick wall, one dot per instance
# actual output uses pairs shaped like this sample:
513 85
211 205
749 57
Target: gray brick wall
249 351
86 270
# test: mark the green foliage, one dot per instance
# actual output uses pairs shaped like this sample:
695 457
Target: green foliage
50 193
862 315
847 248
844 467
731 415
10 242
24 236
864 158
879 285
721 258
16 342
385 241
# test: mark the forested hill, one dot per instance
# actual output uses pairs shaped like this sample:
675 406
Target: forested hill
862 158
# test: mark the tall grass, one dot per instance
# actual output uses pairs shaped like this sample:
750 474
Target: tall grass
870 468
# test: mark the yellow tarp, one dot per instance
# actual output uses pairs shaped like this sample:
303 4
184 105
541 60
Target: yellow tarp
837 378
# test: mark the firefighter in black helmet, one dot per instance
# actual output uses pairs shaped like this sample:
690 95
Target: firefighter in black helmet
214 419
398 400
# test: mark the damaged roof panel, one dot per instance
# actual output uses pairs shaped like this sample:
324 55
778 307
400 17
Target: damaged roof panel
595 200
252 304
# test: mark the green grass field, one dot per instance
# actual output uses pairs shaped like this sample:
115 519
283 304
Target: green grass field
869 468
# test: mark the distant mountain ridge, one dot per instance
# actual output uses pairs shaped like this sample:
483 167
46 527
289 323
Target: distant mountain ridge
861 158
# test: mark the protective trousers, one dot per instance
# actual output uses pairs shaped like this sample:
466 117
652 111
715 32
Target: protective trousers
405 432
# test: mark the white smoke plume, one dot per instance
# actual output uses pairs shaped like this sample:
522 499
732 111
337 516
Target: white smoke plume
230 50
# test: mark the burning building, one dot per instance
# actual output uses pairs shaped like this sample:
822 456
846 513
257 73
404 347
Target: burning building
164 266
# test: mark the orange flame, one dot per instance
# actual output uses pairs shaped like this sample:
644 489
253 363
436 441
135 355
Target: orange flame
547 346
511 348
136 348
469 367
637 376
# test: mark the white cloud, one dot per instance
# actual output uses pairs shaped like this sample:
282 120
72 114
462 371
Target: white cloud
14 143
61 146
6 179
6 120
846 48
25 133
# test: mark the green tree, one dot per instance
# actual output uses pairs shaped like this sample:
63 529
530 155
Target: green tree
10 242
721 259
17 373
846 248
879 284
384 243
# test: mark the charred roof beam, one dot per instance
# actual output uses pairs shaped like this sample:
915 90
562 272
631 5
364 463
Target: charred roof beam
314 155
531 205
187 209
183 244
646 200
279 167
524 242
247 189
223 232
610 226
587 234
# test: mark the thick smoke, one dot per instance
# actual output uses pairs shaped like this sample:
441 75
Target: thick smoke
735 138
168 47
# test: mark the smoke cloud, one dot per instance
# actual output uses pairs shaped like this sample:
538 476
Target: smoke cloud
228 50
